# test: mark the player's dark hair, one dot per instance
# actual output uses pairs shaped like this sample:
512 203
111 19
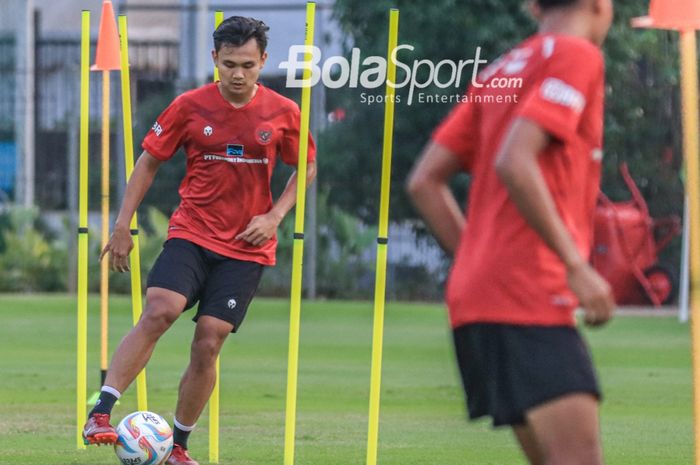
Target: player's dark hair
547 4
237 30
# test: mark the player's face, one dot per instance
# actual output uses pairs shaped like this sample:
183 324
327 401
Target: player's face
239 68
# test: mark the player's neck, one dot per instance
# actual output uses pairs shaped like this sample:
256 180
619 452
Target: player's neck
238 101
565 23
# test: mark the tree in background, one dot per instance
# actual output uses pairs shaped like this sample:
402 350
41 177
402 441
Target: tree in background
642 126
438 29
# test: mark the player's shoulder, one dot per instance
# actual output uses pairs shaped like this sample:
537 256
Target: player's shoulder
568 47
196 95
276 100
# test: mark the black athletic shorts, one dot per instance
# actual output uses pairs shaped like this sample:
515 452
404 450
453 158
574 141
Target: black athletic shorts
223 286
508 369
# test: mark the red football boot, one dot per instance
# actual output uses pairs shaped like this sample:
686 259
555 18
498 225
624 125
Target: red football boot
97 430
180 457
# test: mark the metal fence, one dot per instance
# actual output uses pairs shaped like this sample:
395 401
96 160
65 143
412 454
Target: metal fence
7 86
154 67
416 265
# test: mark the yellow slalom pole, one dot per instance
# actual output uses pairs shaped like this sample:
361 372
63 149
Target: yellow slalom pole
135 256
218 19
81 385
382 244
214 417
298 251
214 399
104 264
691 146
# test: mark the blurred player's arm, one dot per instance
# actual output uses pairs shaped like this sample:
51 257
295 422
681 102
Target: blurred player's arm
120 243
262 227
428 187
517 167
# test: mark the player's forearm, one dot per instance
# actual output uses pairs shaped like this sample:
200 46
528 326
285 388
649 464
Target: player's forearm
438 207
523 178
288 198
428 186
139 183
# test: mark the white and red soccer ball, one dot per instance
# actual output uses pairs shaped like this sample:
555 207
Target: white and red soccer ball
145 438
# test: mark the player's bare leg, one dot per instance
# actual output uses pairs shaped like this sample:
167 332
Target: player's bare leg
529 445
197 383
163 307
568 430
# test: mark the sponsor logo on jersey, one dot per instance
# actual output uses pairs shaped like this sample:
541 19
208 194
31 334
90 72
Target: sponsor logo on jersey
208 131
236 159
559 92
232 304
157 128
234 150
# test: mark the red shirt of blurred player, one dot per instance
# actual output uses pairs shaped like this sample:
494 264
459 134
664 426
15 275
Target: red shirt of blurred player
503 270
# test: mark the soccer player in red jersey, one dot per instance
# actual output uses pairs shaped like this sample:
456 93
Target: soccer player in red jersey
222 233
521 254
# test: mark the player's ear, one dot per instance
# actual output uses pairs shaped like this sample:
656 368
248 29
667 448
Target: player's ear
214 55
602 6
263 59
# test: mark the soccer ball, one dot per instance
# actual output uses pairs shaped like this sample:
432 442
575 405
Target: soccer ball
144 439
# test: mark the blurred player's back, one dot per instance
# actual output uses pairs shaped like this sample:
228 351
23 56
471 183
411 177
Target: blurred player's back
499 254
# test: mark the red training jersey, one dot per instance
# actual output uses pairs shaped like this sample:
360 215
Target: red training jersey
231 153
503 271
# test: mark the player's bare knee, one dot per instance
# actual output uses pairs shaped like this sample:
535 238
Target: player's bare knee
583 453
204 353
155 323
158 316
590 453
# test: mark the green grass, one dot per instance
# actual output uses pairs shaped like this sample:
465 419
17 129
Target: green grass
644 364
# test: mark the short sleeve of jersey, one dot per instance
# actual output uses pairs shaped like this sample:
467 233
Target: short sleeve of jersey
167 133
289 147
568 82
457 133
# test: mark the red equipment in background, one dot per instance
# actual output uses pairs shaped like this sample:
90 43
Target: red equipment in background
626 245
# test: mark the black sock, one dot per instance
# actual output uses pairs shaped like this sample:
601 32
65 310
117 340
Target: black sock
180 437
104 404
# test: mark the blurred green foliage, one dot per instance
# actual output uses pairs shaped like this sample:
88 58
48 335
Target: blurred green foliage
35 258
642 99
343 269
31 259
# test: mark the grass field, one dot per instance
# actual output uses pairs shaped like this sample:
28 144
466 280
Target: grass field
644 364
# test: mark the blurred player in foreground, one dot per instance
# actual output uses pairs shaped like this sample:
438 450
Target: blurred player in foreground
521 254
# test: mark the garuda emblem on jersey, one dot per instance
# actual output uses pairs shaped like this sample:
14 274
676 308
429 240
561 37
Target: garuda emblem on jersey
263 134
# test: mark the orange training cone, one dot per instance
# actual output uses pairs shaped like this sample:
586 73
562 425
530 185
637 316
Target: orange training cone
107 57
671 14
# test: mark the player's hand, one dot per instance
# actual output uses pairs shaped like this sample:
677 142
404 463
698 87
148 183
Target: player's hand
118 247
594 294
260 229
